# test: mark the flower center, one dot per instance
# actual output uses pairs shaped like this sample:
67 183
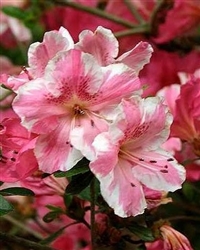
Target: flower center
78 110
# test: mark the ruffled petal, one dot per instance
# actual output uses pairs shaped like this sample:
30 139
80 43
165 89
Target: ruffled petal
102 44
39 54
137 57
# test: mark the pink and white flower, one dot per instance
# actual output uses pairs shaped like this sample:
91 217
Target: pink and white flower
71 97
171 239
129 155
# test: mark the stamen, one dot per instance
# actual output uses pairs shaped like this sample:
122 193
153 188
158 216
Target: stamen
153 161
27 73
164 171
78 110
92 123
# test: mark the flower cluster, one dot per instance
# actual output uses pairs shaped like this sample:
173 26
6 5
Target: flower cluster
82 100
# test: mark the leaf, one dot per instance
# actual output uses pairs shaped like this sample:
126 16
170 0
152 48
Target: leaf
1 182
49 217
80 168
86 194
78 183
67 199
14 12
52 237
54 208
5 206
143 233
16 191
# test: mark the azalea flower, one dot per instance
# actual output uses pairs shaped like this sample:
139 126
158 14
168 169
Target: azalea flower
186 124
67 98
129 156
171 239
17 160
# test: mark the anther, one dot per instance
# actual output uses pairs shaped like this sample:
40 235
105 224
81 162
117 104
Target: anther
152 161
164 171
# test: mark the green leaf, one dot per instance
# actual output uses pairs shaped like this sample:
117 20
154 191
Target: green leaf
5 206
49 217
52 237
14 12
80 168
142 232
54 208
86 194
16 191
78 183
67 199
1 183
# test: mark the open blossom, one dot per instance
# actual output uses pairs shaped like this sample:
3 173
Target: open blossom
67 100
17 160
129 155
186 124
171 239
181 20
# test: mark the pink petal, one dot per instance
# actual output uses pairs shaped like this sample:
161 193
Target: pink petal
146 122
74 72
119 82
137 57
158 170
33 105
122 191
106 155
86 129
54 151
40 53
102 44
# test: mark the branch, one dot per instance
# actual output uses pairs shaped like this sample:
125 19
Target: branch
141 29
95 11
92 213
134 11
22 226
20 241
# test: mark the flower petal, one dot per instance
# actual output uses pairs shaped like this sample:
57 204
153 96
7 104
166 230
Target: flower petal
158 170
102 44
34 107
55 152
122 191
137 57
40 53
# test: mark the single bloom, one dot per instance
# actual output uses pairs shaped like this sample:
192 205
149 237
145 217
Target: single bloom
67 106
170 239
129 156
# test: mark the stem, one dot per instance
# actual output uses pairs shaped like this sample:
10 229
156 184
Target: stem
182 217
20 241
92 215
85 223
23 226
97 12
134 11
137 30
